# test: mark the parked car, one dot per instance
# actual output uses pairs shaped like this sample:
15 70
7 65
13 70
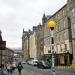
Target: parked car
29 62
23 62
34 62
42 64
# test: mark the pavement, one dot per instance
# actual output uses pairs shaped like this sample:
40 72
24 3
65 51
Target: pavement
68 67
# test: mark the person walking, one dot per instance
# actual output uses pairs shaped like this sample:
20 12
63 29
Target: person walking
8 67
13 66
11 69
20 67
4 71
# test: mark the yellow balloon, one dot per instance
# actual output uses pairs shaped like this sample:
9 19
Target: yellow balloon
51 24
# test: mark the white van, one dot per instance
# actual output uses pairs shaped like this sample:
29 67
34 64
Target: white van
34 62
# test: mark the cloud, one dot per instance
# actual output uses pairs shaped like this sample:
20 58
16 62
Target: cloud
18 14
29 12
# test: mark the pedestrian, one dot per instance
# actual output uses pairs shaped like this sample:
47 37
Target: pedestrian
1 69
11 69
13 66
8 67
4 72
20 67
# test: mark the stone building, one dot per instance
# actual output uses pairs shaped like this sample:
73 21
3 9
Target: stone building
71 20
46 36
36 42
33 46
6 54
40 42
64 34
25 45
32 43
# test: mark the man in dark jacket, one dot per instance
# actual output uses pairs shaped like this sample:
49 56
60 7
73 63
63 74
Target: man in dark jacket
20 67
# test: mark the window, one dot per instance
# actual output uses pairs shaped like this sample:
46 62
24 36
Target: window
56 28
61 25
60 48
65 47
48 39
55 38
64 36
73 14
61 39
49 51
73 26
73 32
63 12
64 23
58 15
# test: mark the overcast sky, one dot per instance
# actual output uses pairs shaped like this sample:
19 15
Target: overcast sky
18 14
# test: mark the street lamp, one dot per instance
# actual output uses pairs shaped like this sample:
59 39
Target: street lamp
52 25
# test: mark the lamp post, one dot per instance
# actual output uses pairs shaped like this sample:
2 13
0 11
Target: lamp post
52 25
